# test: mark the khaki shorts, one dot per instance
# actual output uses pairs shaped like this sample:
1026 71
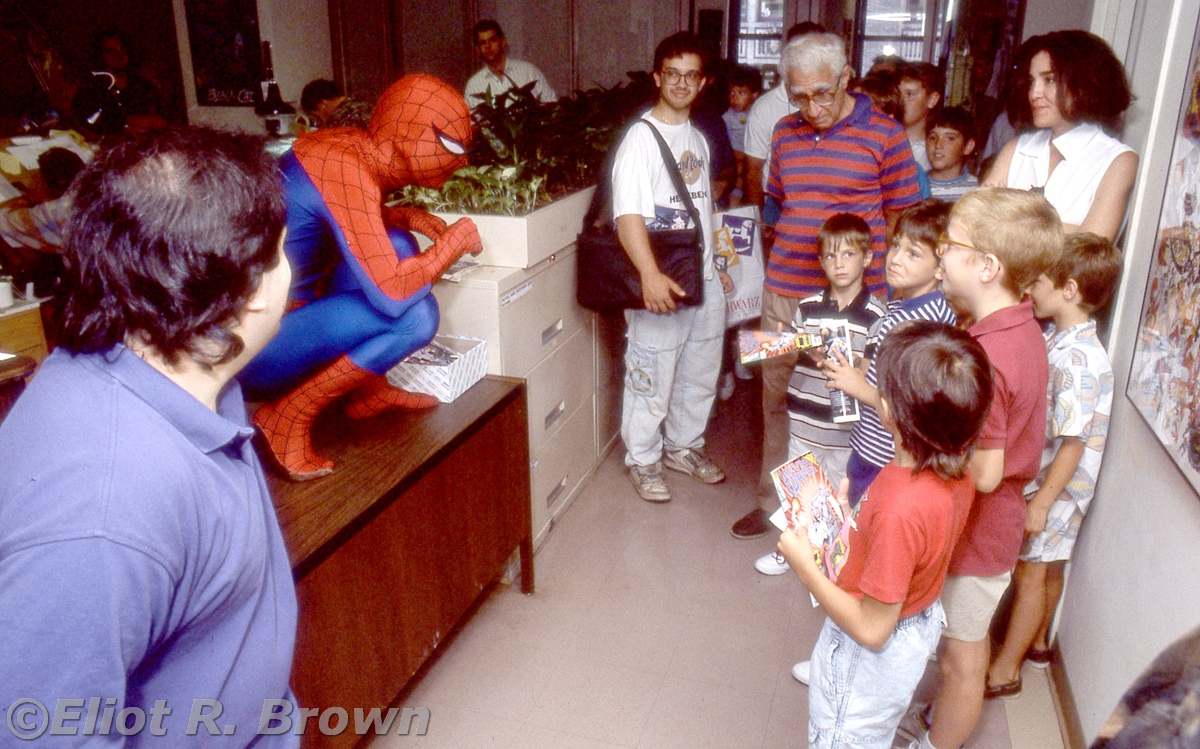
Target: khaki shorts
970 603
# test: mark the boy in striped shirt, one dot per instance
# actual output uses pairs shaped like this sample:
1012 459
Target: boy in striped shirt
914 275
845 252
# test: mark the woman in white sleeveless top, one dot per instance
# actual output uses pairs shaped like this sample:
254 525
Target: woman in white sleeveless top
1069 84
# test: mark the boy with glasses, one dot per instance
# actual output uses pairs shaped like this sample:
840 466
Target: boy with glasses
999 242
835 154
673 355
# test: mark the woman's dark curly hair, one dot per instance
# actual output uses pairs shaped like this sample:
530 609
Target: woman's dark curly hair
168 238
1092 86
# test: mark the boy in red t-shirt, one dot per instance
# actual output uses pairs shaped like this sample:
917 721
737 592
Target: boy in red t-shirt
998 243
935 388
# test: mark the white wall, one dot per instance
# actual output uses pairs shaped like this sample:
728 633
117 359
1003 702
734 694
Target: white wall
1133 585
1042 16
299 34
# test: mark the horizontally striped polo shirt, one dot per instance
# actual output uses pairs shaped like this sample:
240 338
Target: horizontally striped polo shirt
811 418
862 165
869 440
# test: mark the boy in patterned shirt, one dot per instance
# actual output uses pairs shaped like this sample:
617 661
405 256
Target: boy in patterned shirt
1080 397
913 274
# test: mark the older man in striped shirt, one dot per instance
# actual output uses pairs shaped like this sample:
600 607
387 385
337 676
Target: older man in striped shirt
836 154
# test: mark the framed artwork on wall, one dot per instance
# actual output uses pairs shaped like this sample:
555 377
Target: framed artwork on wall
1164 377
226 54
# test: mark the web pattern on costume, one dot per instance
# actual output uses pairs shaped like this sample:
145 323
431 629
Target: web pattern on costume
406 144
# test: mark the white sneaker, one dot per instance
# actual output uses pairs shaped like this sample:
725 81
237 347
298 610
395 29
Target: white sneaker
772 564
801 671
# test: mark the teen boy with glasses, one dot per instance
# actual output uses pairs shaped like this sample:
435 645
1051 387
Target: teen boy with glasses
673 355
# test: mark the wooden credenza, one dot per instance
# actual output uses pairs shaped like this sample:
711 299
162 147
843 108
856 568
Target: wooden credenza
421 515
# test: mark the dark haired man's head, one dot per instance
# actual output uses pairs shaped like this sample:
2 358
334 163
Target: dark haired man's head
169 237
678 45
936 382
487 24
1090 81
802 28
490 43
318 91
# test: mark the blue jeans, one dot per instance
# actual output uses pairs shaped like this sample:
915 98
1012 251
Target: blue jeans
857 696
671 366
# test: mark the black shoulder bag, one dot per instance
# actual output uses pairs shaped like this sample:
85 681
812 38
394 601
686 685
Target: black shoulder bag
607 280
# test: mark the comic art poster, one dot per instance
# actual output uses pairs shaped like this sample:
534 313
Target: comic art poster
1164 379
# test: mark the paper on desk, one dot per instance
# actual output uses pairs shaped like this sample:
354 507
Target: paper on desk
7 191
28 154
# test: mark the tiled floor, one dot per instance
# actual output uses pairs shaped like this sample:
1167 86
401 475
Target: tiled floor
650 628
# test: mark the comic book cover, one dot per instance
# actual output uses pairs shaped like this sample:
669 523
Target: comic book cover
835 337
756 345
805 492
432 355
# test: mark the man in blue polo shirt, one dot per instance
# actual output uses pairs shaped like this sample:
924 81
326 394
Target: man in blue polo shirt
144 584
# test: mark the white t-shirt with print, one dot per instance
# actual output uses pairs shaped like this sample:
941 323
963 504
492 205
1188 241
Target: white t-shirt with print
641 184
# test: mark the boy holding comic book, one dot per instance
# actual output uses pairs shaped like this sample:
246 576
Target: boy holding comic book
884 618
844 243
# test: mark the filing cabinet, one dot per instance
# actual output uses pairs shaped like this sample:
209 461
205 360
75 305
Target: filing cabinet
569 358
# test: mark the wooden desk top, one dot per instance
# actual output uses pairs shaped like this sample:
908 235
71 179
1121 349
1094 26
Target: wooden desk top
376 460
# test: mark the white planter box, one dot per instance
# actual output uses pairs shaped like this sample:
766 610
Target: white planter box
525 241
446 381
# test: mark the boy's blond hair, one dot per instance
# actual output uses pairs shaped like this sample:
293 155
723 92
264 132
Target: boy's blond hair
1095 266
1018 226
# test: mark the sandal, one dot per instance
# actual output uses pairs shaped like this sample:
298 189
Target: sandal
1003 690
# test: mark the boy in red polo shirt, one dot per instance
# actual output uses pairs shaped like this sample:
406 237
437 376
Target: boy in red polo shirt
884 619
998 243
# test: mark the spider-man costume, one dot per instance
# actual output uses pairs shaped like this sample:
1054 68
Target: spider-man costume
360 299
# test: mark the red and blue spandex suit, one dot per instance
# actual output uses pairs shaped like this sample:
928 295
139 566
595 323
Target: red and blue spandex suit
360 299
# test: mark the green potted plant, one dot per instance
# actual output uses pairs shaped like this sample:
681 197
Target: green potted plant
532 169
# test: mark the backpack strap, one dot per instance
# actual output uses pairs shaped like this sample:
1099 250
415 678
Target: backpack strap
603 195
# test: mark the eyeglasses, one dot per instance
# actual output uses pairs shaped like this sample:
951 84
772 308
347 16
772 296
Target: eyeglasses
821 99
692 77
944 242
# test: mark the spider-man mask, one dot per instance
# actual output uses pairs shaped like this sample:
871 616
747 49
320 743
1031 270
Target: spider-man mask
421 128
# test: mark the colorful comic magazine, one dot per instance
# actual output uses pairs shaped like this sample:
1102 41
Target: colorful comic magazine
805 492
835 337
756 345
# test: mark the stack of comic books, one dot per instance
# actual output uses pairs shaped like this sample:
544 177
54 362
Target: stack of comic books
809 501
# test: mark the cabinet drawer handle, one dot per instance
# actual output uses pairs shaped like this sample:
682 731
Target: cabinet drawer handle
553 495
550 333
554 414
